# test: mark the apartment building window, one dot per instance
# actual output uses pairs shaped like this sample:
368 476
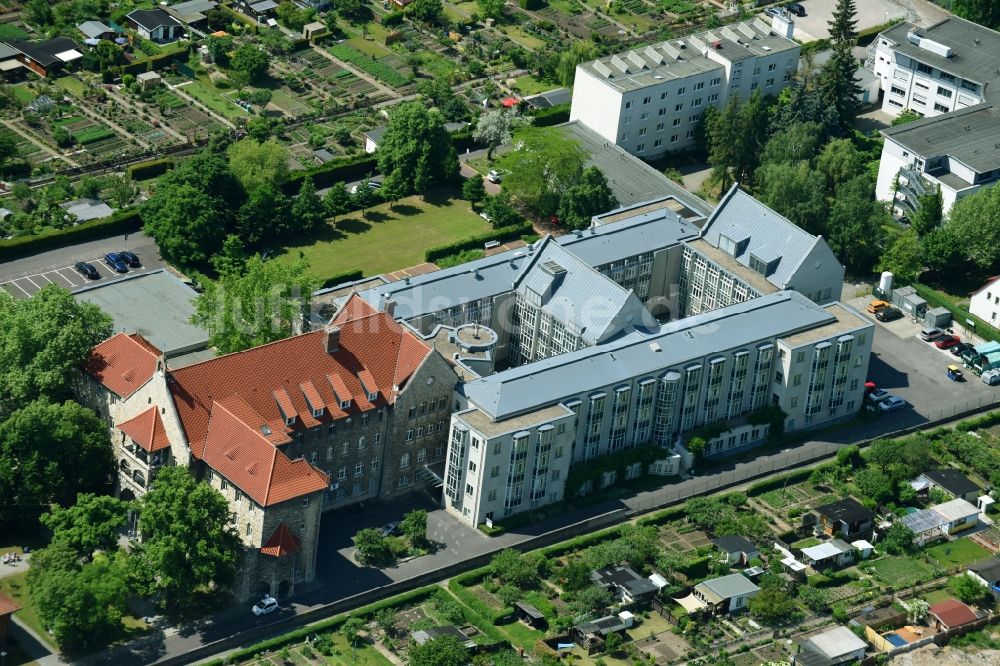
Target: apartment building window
331 431
642 132
663 95
409 435
422 456
673 139
772 67
628 105
716 81
662 112
689 134
696 103
628 120
249 529
794 402
341 473
641 147
919 99
677 121
695 118
769 83
404 461
657 143
898 105
854 384
411 413
944 92
492 495
797 379
312 457
921 85
624 136
939 107
681 90
714 97
679 107
377 439
356 489
786 78
495 472
645 100
753 86
361 442
359 469
376 463
643 115
756 70
699 85
469 490
924 69
945 76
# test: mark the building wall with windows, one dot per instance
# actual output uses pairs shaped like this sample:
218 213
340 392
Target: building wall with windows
650 100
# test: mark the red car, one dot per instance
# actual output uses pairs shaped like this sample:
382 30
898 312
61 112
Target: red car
946 341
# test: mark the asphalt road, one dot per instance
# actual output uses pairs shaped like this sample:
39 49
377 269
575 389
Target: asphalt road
23 277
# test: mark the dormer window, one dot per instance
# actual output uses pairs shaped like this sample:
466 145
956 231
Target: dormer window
372 397
345 404
290 420
317 413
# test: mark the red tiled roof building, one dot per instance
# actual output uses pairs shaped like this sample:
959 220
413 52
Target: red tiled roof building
314 422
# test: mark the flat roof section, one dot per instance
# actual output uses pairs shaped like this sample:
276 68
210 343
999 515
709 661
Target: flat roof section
481 423
974 48
970 136
156 305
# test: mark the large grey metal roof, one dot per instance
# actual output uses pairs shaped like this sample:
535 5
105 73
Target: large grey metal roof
681 58
578 296
557 378
741 217
631 180
970 135
495 275
974 47
836 642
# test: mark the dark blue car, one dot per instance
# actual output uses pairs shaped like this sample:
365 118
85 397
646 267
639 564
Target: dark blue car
129 258
114 261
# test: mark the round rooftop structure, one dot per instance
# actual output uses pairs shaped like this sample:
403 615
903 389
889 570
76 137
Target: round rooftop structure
475 338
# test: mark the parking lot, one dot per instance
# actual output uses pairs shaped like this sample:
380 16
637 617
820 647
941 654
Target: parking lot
815 24
23 277
915 370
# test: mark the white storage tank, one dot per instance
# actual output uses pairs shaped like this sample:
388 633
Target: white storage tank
885 283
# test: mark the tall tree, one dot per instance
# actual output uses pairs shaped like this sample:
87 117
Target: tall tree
497 128
736 137
795 191
855 225
903 257
192 208
49 453
545 164
578 52
415 133
308 210
983 12
81 604
256 164
443 651
188 539
250 60
974 221
266 213
929 212
799 141
837 81
501 211
43 340
337 200
492 9
263 303
589 197
426 11
93 523
839 162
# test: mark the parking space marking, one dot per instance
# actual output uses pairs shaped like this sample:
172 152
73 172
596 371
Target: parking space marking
19 287
63 277
33 284
42 275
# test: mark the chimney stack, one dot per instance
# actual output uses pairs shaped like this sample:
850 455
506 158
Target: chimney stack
390 307
332 338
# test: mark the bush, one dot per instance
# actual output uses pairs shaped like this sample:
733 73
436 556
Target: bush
777 482
503 235
554 115
122 221
460 585
150 169
348 276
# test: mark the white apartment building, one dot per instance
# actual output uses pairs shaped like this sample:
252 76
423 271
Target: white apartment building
649 100
958 152
985 303
945 67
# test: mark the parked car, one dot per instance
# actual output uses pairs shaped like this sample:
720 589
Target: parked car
494 176
87 270
372 185
796 8
773 11
130 259
931 334
266 605
891 404
390 529
875 306
878 395
485 216
115 262
889 314
960 348
947 341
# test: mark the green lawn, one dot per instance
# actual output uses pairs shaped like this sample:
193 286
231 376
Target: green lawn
388 240
529 42
71 85
937 596
957 553
11 31
808 542
16 587
900 572
206 93
22 94
529 85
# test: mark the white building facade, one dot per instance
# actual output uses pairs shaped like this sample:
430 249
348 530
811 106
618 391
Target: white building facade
649 101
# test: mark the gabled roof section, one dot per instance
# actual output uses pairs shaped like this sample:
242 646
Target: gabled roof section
147 430
7 605
757 231
281 542
587 303
150 19
123 363
953 613
245 457
952 480
255 378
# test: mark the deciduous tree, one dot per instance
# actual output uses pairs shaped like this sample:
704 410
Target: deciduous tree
251 60
370 546
855 225
497 128
308 210
795 191
337 200
974 222
983 12
545 164
93 523
188 539
443 651
501 211
263 303
256 164
929 212
589 197
417 147
903 257
414 526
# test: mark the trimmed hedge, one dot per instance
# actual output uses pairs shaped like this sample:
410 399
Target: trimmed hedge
581 542
983 329
155 62
347 276
554 115
984 421
503 234
460 585
663 517
121 222
341 169
696 568
150 169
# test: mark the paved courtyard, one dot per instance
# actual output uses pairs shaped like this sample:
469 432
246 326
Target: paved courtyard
815 24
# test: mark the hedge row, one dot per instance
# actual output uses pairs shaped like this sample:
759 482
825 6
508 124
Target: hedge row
158 61
348 276
581 542
341 169
460 585
554 115
503 235
330 624
150 169
984 421
696 568
663 517
959 315
121 222
776 482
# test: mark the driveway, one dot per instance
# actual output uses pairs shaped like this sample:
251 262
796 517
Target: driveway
815 24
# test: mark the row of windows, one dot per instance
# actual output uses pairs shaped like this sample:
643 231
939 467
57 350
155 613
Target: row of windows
422 431
424 407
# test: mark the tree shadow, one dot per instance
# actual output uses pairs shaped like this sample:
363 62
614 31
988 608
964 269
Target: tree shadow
377 216
406 210
353 225
438 197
